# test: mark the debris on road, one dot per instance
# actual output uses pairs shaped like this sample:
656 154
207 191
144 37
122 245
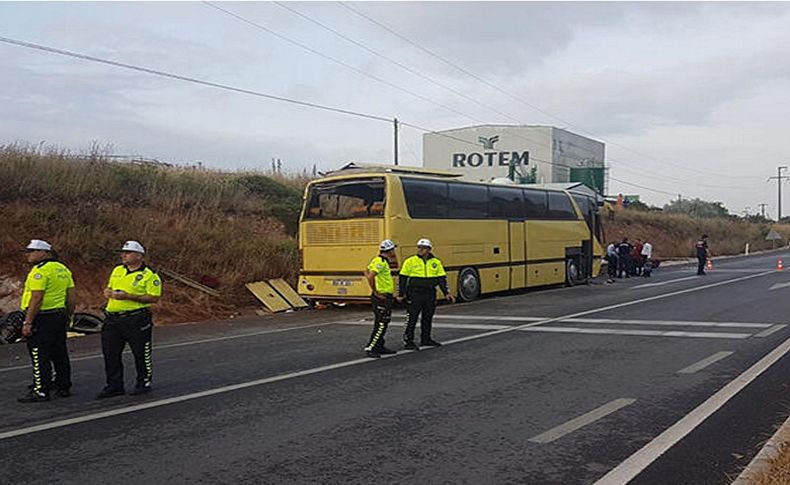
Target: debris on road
276 295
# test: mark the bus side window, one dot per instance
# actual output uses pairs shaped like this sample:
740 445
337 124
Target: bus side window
536 204
468 201
425 199
560 207
505 203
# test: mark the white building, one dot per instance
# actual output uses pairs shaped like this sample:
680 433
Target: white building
486 152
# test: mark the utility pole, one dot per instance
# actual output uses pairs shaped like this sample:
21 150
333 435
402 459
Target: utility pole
779 177
395 126
762 210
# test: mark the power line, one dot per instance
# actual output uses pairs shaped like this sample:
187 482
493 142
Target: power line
511 95
642 187
355 69
335 60
454 91
403 66
179 77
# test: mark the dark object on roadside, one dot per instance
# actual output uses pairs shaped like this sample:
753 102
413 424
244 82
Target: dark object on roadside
647 269
11 327
209 281
86 323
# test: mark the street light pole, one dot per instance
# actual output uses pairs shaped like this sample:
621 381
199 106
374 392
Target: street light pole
779 177
395 125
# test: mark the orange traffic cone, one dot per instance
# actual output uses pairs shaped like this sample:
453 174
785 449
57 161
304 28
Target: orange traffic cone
780 265
709 266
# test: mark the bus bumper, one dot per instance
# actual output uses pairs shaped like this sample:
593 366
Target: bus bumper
333 287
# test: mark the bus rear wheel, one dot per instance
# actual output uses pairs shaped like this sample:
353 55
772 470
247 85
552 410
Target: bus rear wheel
468 284
573 274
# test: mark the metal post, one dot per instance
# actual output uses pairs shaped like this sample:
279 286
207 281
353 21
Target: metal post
395 126
779 185
779 177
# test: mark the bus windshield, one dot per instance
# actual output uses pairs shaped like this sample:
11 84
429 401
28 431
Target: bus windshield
346 199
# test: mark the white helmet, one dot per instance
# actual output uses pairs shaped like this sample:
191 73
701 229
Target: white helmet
133 247
424 243
386 245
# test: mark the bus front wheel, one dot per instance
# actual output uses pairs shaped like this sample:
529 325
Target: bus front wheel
468 284
573 274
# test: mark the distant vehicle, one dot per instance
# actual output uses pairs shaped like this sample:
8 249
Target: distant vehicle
490 237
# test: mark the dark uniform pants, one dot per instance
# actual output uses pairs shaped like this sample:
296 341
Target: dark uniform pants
136 329
47 348
701 260
422 304
382 314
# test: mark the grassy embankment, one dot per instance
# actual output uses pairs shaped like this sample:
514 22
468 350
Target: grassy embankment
674 235
234 227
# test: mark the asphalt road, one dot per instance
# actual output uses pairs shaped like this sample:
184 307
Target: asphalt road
675 379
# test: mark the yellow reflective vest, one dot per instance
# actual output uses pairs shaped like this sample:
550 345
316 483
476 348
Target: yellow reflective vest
422 273
142 281
380 266
53 278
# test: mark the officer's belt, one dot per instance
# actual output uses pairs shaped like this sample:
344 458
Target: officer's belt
127 314
51 311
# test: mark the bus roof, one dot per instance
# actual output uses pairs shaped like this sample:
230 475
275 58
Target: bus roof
354 167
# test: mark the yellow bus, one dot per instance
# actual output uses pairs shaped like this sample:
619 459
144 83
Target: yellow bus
490 237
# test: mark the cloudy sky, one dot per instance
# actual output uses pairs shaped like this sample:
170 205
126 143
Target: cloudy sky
690 98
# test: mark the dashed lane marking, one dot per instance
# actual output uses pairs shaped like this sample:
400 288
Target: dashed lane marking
770 331
35 428
698 366
577 423
636 463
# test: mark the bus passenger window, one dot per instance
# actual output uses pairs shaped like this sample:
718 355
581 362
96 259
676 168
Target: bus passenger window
536 204
425 199
560 207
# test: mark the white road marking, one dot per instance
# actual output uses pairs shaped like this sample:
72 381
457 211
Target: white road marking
779 286
771 330
486 317
698 366
639 333
188 342
735 270
636 463
673 323
469 326
220 390
583 420
670 323
662 283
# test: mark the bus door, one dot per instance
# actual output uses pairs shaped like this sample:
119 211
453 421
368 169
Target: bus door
518 256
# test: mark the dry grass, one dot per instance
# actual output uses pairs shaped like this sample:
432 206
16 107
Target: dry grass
777 472
235 227
674 235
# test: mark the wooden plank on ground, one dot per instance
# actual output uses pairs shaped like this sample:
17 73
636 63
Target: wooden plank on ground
268 296
189 282
288 293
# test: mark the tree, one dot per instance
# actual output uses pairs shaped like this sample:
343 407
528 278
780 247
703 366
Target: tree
697 208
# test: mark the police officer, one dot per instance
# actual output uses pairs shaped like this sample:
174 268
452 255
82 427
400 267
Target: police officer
132 288
419 277
48 302
702 254
379 278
